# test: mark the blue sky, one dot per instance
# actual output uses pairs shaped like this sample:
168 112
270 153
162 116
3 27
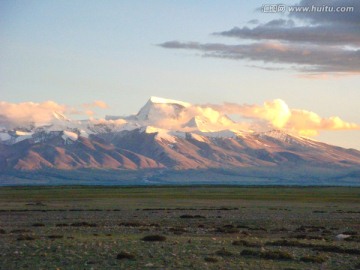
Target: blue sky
75 52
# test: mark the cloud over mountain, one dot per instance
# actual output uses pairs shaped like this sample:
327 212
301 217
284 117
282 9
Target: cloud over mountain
172 135
180 116
29 112
32 113
277 114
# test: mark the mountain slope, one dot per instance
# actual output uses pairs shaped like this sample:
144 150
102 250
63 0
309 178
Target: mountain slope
168 135
83 153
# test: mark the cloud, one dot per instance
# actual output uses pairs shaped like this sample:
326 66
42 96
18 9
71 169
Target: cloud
38 114
272 114
339 34
307 58
309 123
277 114
187 118
204 117
313 43
97 104
29 112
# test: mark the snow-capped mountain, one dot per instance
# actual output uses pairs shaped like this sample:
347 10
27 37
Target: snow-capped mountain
164 135
165 117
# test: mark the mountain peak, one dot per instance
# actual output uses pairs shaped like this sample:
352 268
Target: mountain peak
161 108
59 116
165 133
159 100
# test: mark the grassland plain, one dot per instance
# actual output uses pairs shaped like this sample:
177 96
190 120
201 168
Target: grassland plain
179 227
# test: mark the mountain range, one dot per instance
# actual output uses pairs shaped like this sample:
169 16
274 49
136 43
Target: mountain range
167 142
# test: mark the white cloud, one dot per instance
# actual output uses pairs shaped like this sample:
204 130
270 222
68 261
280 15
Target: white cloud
38 114
208 117
29 112
277 114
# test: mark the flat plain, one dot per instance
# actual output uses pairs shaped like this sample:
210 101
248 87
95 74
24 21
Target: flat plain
198 227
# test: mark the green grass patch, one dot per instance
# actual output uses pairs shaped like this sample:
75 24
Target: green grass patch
295 194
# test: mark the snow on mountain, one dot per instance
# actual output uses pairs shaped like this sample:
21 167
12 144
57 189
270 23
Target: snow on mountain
69 136
60 116
159 100
160 134
21 135
168 119
209 121
164 134
4 136
177 116
197 137
158 109
221 134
